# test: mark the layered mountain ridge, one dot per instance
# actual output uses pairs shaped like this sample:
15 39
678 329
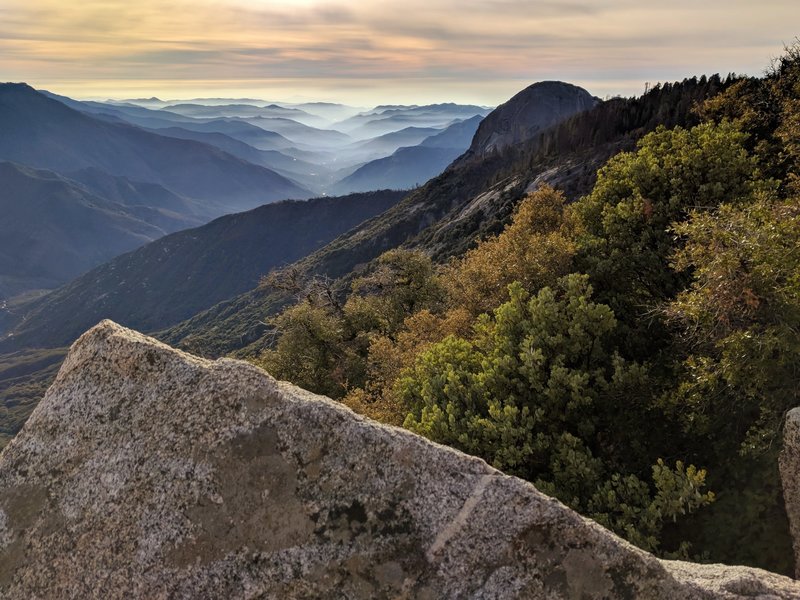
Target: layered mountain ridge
474 197
160 167
411 166
44 133
53 228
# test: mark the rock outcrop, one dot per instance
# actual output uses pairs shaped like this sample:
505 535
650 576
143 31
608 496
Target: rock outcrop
528 113
149 473
790 478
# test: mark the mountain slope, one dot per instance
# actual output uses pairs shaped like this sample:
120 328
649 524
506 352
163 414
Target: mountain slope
305 173
186 272
150 202
302 135
530 112
474 197
414 165
45 133
52 229
404 169
458 135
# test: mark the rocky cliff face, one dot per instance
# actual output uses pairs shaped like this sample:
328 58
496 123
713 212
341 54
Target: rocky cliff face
528 113
149 473
790 478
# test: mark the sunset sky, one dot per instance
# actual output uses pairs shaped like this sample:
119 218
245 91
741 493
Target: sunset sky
380 51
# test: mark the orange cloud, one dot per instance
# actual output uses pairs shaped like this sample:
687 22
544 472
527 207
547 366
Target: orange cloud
379 49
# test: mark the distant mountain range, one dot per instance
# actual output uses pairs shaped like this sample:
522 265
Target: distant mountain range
330 111
411 166
308 143
200 111
140 169
42 132
387 143
385 119
289 166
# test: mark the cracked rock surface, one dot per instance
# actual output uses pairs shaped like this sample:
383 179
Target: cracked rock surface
149 473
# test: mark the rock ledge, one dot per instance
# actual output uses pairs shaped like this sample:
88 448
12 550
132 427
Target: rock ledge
149 473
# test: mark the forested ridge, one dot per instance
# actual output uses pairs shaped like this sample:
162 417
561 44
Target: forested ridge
632 353
442 219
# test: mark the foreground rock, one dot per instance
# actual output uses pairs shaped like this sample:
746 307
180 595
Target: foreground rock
148 473
790 477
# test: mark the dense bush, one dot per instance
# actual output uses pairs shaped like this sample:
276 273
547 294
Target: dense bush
539 391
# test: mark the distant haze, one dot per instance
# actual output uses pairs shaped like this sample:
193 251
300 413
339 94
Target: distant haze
380 51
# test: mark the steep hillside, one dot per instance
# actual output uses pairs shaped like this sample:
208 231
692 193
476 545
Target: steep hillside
474 197
24 378
566 156
149 201
189 271
52 229
44 133
457 135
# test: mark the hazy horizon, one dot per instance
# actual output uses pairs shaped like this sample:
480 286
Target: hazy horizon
370 52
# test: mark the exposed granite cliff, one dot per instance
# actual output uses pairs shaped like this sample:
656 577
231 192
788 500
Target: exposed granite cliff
149 473
529 113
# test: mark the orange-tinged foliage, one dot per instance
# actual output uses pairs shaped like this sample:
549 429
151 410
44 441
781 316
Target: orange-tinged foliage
535 249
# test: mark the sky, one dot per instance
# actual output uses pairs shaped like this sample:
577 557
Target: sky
370 52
